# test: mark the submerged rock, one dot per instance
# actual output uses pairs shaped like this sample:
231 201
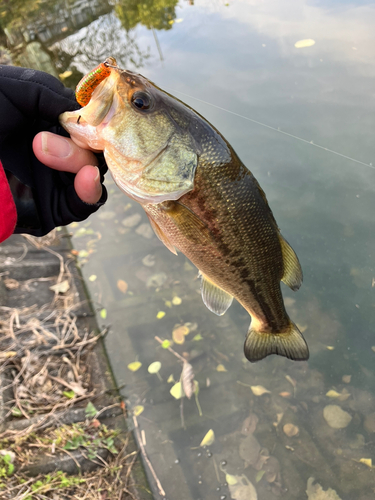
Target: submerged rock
336 417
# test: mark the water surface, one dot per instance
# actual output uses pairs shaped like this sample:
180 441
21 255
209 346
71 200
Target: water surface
236 63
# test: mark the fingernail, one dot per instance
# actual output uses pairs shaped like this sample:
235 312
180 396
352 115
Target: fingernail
96 178
55 145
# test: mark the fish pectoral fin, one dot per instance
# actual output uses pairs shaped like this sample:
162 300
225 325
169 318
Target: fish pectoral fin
162 237
289 343
215 298
292 268
187 222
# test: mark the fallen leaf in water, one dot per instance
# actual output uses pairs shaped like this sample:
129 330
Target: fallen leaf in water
301 44
176 390
92 277
176 301
103 313
291 381
122 286
208 439
316 492
290 430
137 410
106 215
259 475
330 347
332 394
166 343
149 260
231 479
197 337
249 450
60 287
180 333
249 424
366 461
145 230
243 489
67 73
134 366
221 368
373 348
156 280
347 379
344 395
259 390
187 379
336 417
154 367
168 303
285 394
132 220
160 315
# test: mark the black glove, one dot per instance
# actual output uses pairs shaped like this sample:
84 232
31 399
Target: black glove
30 102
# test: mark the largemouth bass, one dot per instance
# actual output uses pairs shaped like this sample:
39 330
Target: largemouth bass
199 197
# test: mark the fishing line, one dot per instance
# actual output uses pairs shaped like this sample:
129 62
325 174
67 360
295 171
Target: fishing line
276 130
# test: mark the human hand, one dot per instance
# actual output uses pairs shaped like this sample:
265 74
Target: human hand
48 190
61 153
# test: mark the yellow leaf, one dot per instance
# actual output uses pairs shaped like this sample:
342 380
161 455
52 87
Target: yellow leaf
137 410
103 313
160 314
330 347
171 379
168 303
176 301
178 20
179 334
122 286
176 391
366 461
134 366
333 394
66 74
208 439
301 44
231 479
259 390
92 277
221 368
154 367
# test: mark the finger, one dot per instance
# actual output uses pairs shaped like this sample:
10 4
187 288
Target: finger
87 184
61 153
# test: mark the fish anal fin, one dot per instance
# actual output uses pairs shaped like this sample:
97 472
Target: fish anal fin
215 298
161 235
290 344
292 268
188 223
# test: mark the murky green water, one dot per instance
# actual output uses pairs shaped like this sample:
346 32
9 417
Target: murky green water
236 63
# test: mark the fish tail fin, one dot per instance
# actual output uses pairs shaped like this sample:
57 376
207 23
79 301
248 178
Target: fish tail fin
289 343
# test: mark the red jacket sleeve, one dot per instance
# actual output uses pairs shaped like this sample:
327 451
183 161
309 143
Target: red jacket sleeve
8 213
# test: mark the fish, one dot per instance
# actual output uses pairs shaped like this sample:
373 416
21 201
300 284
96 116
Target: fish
200 199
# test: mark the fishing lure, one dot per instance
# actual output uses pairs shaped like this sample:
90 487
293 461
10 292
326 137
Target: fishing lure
89 82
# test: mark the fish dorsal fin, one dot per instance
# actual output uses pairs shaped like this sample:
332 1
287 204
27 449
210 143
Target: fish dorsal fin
162 237
292 268
214 297
188 223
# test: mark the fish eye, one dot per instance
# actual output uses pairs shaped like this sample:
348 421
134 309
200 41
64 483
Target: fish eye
141 100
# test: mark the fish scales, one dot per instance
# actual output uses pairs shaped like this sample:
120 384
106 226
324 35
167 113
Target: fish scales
200 199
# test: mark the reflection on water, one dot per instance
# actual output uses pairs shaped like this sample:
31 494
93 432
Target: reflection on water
275 424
